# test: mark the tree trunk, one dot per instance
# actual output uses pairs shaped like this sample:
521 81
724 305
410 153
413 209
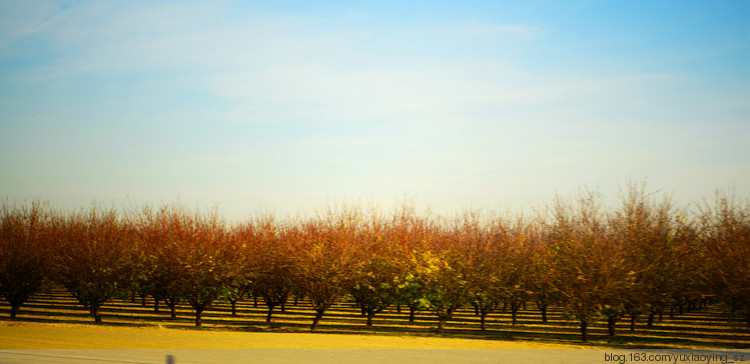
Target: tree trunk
198 318
14 310
255 301
398 308
650 322
632 322
483 319
514 306
369 319
318 316
412 311
441 325
156 304
96 313
543 308
584 331
611 326
172 304
234 307
270 313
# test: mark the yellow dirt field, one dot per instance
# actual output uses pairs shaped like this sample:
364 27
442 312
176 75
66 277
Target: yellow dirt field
63 336
72 343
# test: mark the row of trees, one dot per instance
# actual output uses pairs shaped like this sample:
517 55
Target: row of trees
638 260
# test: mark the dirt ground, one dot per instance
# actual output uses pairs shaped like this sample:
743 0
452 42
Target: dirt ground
69 343
64 343
63 336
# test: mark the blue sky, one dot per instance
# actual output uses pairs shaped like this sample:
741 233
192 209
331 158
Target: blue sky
287 106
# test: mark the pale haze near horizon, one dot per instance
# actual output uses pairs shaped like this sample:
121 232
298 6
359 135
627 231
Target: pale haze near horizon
287 106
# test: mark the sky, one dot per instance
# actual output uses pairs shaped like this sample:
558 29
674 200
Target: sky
290 106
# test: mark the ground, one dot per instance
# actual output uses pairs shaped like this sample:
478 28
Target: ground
41 343
65 336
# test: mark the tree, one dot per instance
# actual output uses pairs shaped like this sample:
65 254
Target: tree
444 275
203 252
374 283
482 266
540 278
162 233
242 251
156 230
271 263
514 248
653 236
96 256
725 245
589 268
407 235
324 258
190 257
24 252
446 285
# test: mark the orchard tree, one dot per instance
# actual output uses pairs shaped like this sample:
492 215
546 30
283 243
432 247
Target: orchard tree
24 251
541 280
589 269
374 283
272 273
482 266
324 258
444 276
163 233
409 234
242 254
96 256
204 253
656 240
156 230
725 244
515 248
191 256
